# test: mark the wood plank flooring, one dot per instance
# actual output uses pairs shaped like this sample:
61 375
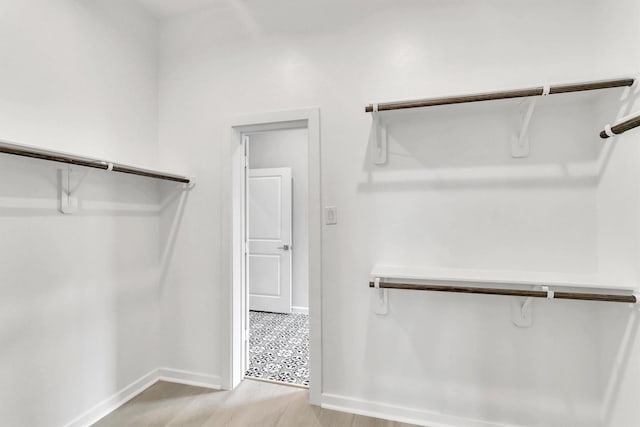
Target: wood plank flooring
253 403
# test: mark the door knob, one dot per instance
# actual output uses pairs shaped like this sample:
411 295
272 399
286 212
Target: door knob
284 248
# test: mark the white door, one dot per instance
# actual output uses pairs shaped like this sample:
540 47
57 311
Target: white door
269 239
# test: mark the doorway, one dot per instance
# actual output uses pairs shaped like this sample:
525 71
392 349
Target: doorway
234 245
277 258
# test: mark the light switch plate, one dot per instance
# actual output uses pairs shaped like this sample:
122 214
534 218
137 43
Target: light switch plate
330 215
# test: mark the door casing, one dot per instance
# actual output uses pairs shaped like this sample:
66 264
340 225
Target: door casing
233 191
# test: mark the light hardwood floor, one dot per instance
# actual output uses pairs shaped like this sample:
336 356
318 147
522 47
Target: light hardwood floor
253 403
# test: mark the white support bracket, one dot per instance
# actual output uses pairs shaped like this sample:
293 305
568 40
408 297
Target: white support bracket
68 202
381 298
520 141
520 146
380 150
522 312
522 309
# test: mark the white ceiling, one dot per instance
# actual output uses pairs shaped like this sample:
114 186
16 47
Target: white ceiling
166 8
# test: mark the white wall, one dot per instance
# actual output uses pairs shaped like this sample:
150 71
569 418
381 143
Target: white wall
451 194
79 305
87 296
288 148
618 213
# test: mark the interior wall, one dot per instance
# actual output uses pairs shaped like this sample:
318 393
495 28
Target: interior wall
79 311
619 179
288 148
618 213
451 195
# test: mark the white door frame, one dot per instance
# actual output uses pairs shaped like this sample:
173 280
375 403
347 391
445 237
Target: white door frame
232 164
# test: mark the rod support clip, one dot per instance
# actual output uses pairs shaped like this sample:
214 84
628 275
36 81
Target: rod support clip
380 136
192 183
637 303
608 131
381 300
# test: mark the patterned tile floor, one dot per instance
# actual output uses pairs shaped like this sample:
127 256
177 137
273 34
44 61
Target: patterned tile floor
279 347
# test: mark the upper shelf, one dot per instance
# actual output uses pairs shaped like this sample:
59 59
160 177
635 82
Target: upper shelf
507 94
56 156
497 277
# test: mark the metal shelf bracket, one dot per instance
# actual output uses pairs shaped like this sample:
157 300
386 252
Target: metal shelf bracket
520 146
381 298
522 312
380 135
68 202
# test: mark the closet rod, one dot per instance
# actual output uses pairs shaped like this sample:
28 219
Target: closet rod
509 292
491 96
37 153
621 127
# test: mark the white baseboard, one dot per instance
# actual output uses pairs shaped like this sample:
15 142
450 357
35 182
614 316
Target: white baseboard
189 378
399 413
115 401
138 386
300 310
329 401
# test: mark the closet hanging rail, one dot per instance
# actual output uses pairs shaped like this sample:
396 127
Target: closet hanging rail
621 127
37 153
491 96
509 292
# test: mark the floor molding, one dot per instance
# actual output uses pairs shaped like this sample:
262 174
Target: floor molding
189 378
399 413
115 401
300 310
138 386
